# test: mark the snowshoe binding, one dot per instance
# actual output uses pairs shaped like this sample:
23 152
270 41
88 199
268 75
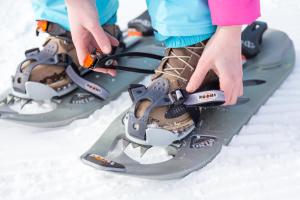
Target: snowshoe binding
199 127
60 90
164 112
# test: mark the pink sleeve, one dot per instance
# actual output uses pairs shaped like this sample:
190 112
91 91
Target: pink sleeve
233 12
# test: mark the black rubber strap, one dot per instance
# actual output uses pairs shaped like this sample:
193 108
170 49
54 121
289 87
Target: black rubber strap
131 69
103 62
136 54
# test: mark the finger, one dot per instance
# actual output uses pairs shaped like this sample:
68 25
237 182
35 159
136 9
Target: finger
94 44
241 92
228 96
234 97
114 42
198 75
111 72
101 38
226 87
237 90
91 48
82 49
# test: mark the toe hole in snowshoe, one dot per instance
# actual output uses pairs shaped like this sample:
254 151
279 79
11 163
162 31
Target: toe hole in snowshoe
136 126
254 82
19 80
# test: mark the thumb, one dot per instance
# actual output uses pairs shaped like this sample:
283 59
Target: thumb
198 76
101 38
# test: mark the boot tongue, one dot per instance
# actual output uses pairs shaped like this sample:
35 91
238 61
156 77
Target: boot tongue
176 62
180 58
166 66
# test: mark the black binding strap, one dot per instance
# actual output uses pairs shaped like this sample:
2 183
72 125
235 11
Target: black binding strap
107 61
131 69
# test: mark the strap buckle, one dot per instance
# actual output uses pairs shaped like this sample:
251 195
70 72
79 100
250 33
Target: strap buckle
177 97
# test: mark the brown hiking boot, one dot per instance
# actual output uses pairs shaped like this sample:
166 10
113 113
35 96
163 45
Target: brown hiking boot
59 42
176 67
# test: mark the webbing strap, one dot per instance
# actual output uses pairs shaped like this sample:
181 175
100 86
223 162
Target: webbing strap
205 98
85 84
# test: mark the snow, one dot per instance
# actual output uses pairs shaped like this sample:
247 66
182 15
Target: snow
262 162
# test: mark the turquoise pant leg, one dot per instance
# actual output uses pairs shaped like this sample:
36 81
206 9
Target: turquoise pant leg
181 23
181 41
56 11
112 20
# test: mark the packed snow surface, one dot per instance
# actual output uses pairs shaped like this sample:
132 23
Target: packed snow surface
262 162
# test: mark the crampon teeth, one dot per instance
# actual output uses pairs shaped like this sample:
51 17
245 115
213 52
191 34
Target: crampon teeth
177 144
58 89
125 143
17 99
134 145
9 99
143 150
55 100
24 102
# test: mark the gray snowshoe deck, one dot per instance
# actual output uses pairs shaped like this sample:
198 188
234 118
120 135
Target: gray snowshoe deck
80 104
262 74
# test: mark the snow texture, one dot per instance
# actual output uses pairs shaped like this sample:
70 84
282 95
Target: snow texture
262 162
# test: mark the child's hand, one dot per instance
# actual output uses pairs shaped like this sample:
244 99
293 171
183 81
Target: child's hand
87 33
222 54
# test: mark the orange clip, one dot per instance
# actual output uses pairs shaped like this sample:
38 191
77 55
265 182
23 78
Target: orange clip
133 32
88 61
42 25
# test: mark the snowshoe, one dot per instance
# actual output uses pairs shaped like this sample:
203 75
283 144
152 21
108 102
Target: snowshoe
50 89
123 148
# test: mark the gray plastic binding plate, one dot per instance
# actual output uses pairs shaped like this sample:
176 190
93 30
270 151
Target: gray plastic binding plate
263 74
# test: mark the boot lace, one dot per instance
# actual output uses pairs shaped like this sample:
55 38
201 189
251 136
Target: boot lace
176 71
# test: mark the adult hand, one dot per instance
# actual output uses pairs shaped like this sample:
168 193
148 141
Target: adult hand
87 33
222 54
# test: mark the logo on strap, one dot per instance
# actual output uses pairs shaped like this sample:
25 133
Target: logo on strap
207 96
248 44
93 88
